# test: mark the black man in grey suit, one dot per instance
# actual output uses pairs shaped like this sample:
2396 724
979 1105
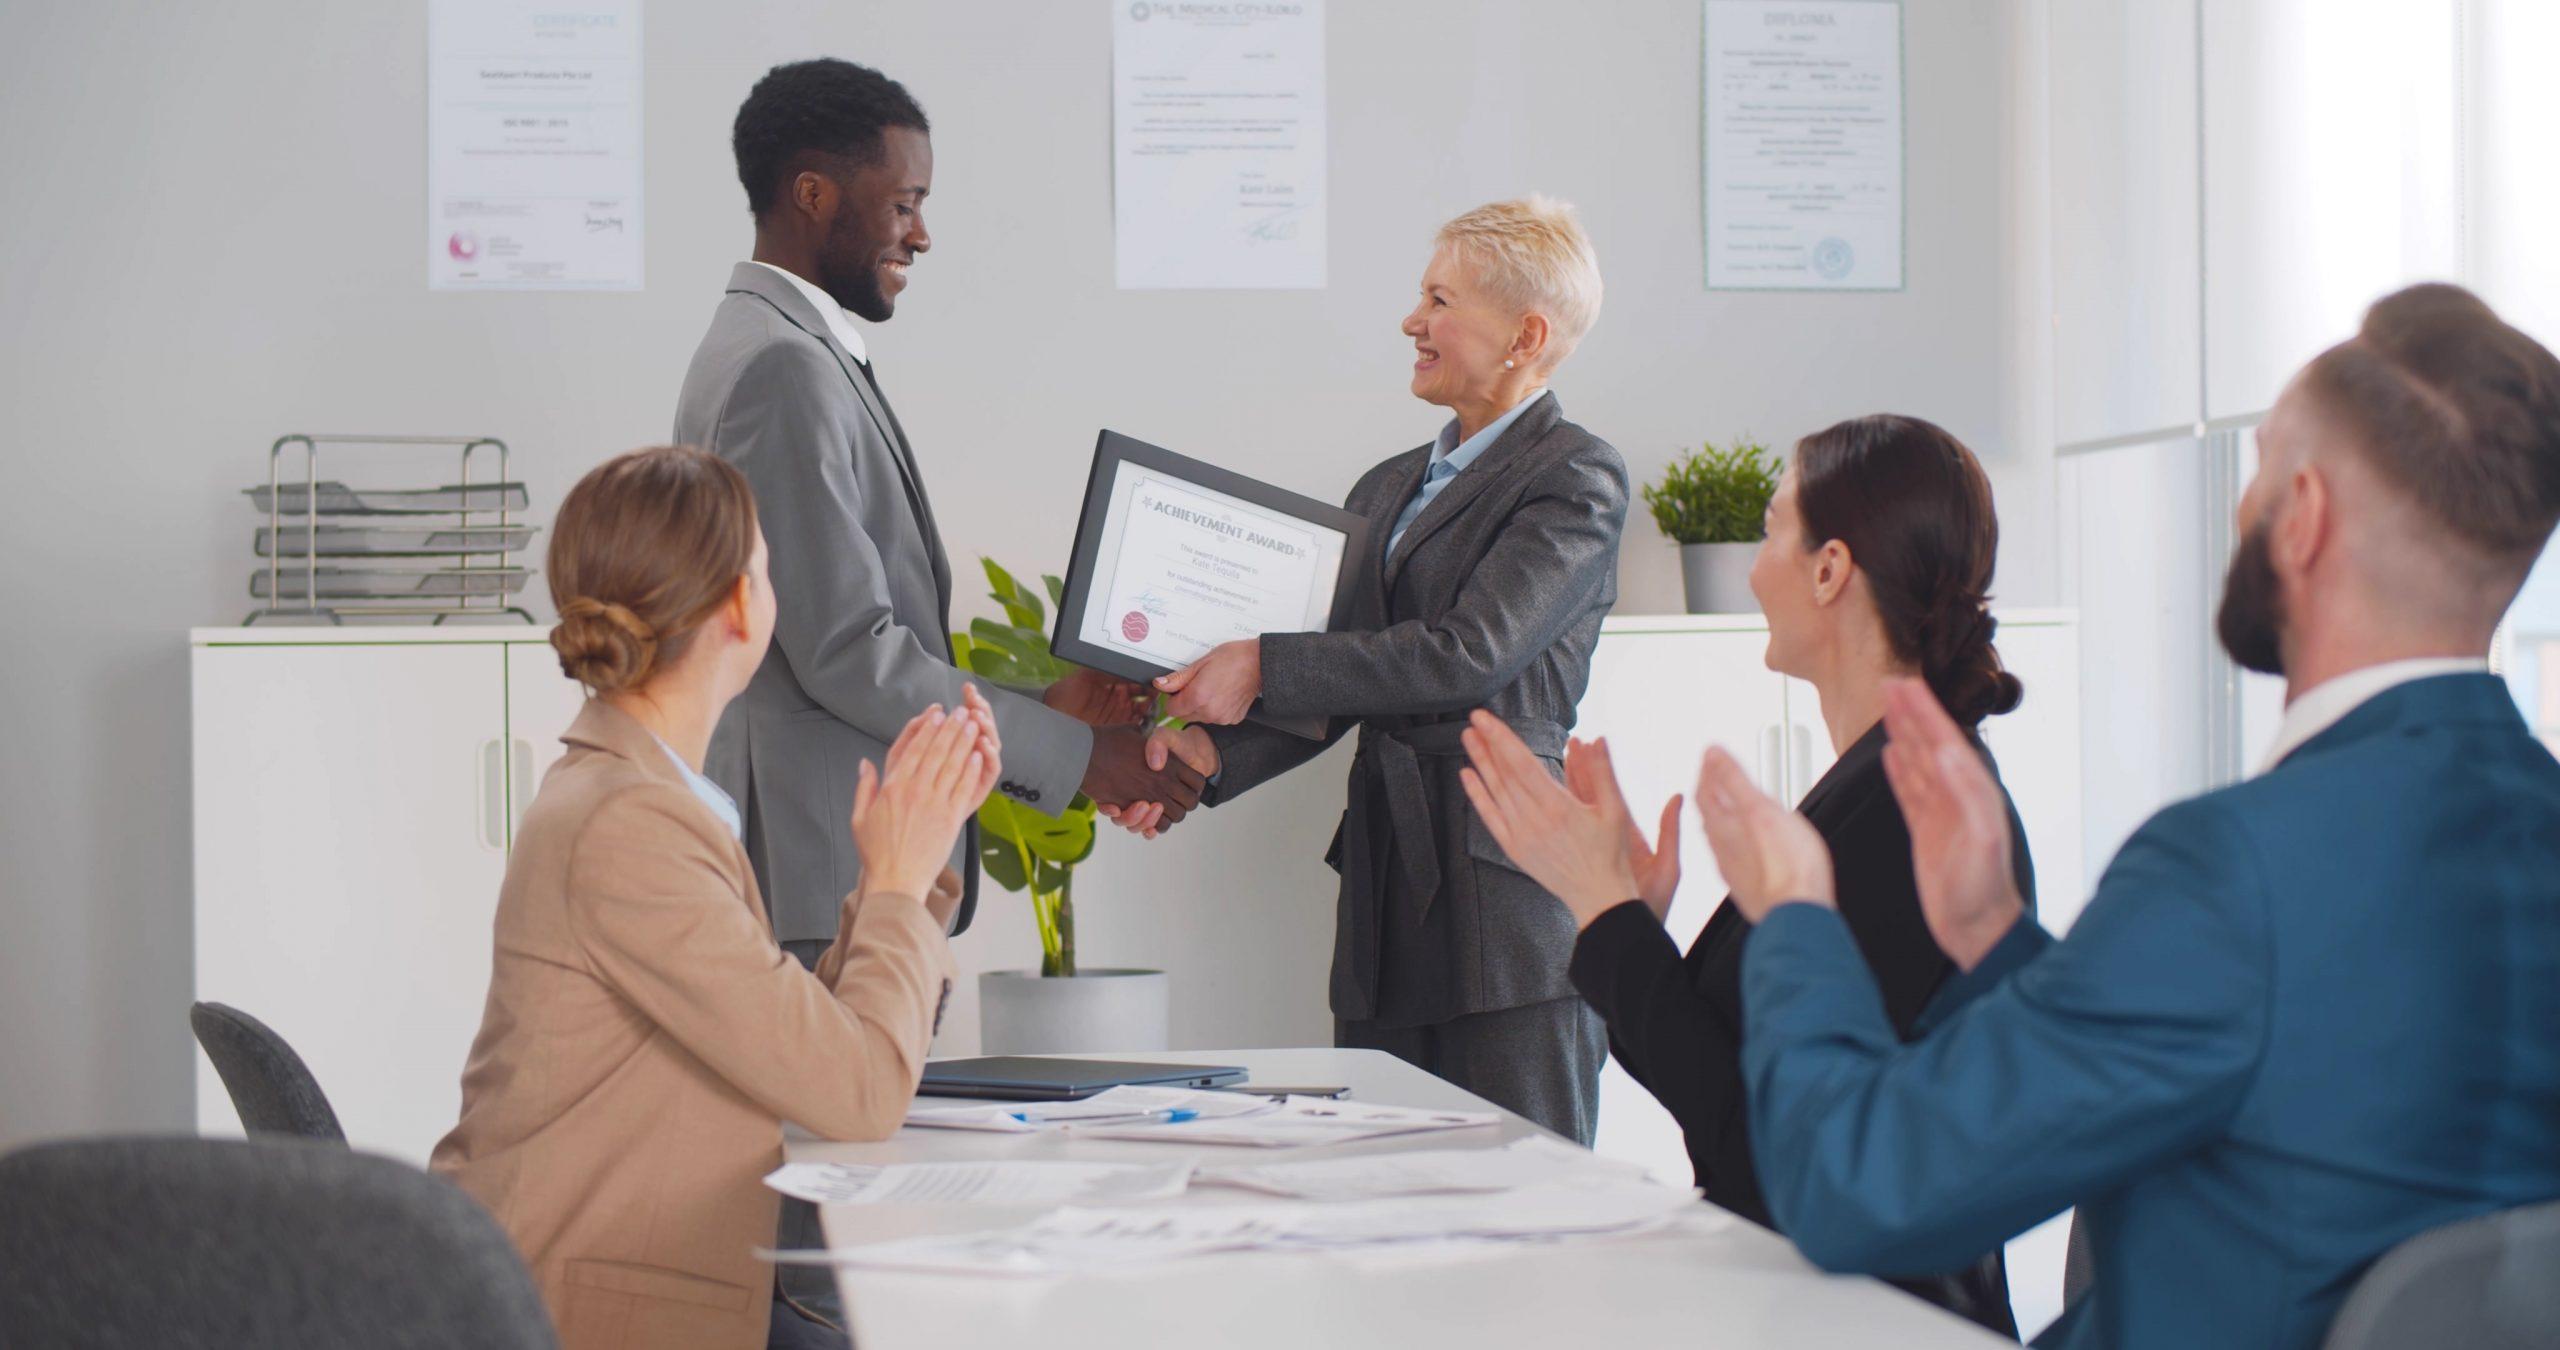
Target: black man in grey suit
836 161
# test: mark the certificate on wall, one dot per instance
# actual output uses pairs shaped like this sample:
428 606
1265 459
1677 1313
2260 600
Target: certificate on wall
533 145
1217 143
1803 143
1174 556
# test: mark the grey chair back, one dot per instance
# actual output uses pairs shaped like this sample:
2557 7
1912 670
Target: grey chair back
253 1244
270 1086
2483 1284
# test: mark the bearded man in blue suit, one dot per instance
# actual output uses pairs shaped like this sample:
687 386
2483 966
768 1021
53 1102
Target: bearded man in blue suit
2305 1017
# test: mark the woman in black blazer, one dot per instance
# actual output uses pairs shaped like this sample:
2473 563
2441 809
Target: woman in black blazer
1879 551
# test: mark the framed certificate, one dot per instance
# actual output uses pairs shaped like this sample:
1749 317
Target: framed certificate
1174 556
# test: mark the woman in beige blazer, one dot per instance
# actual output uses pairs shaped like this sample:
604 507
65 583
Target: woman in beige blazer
645 1038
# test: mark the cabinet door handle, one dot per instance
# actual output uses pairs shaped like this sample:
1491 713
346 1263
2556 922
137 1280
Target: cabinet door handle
1803 760
519 786
1770 758
493 796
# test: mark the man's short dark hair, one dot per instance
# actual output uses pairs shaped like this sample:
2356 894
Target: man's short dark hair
824 107
2458 410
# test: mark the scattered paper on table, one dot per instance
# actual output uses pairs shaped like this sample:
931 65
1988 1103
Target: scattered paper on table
1029 1182
1075 1241
1297 1121
1123 1104
1534 1161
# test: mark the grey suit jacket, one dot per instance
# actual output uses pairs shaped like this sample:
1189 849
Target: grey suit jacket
1493 599
862 640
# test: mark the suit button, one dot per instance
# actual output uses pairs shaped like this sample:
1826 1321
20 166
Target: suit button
1033 795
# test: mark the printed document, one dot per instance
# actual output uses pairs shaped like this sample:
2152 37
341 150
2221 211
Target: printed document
1029 1182
1218 145
533 145
1803 137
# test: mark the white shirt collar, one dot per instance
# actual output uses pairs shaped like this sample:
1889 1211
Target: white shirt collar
839 323
1459 454
2325 706
707 792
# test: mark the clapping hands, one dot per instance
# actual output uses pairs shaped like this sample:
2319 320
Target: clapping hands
1575 837
908 814
1960 839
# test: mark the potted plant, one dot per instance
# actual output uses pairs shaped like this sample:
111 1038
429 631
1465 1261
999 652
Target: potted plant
1711 502
1059 1007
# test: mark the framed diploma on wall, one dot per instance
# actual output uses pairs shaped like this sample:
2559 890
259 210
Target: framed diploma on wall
1174 556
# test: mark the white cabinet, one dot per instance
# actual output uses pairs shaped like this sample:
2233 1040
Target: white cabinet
1665 688
354 798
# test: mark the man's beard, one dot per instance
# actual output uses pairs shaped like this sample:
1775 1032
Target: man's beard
2252 614
857 288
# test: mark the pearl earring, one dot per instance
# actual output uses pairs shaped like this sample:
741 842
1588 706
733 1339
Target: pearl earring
1506 365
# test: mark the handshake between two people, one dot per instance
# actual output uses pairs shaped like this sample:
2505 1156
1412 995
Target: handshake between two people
1577 839
1216 690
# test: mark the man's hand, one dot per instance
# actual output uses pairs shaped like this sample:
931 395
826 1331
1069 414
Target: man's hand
1189 744
1576 848
908 814
1118 776
1593 777
1100 700
1219 687
1959 825
1769 855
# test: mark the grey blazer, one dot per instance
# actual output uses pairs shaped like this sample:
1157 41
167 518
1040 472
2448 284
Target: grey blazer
1492 600
862 640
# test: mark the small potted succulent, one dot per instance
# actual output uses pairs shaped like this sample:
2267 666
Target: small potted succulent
1059 1007
1711 503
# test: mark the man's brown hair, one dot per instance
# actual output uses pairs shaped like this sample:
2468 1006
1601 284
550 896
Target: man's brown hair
2457 410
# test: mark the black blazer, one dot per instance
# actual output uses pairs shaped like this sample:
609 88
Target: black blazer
1676 1025
1492 599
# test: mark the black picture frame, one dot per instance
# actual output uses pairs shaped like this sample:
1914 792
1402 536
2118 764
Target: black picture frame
1110 451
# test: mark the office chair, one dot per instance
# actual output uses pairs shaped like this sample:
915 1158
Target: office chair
251 1244
269 1084
2487 1283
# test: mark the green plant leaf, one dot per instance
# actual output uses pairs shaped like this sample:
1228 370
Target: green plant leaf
1010 641
1051 878
1713 496
1000 862
1057 592
1000 582
1067 839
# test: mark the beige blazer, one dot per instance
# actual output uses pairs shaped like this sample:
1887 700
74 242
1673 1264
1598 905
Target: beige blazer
645 1039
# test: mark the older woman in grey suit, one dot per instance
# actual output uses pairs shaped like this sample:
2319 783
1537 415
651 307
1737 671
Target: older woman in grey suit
1492 557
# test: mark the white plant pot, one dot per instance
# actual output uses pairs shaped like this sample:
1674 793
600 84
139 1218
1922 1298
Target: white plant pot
1021 1012
1716 578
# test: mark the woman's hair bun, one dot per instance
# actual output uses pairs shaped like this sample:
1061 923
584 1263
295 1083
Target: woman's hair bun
1914 508
644 549
1963 667
602 645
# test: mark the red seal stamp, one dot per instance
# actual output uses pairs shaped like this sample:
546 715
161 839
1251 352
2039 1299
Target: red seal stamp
1133 625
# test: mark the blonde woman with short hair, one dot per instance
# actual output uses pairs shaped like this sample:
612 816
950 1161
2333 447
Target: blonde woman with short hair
1492 556
645 1038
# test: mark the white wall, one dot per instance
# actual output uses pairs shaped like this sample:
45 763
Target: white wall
210 237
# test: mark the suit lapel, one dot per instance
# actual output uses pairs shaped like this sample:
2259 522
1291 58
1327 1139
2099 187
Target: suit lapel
752 279
1471 481
917 498
1384 523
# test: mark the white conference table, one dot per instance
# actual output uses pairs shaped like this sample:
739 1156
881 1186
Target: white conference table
1711 1280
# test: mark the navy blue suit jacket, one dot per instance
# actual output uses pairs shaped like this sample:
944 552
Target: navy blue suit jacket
2305 1017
